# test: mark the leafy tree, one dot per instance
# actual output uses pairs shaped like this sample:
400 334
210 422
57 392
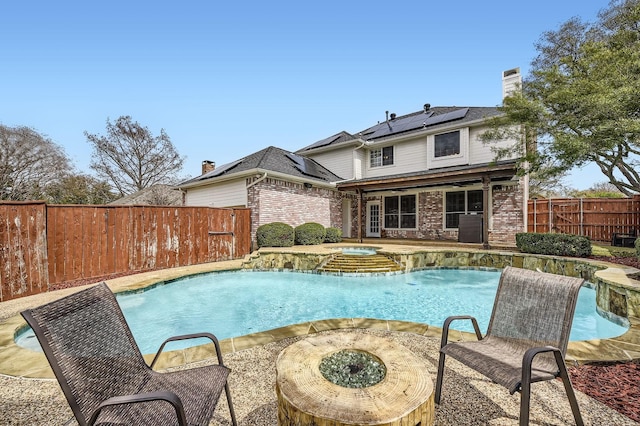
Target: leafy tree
580 104
598 190
547 182
80 189
30 164
131 158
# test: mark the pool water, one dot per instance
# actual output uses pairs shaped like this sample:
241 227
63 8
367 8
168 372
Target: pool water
231 304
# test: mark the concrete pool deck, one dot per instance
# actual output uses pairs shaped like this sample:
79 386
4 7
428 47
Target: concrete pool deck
17 363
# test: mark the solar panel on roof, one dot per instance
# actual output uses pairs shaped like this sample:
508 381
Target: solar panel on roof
324 142
220 170
307 166
398 125
449 116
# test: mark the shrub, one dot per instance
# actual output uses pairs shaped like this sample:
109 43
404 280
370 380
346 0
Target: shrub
637 244
310 233
554 244
333 235
276 234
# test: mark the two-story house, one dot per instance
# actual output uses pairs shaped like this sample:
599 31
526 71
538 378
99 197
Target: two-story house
423 175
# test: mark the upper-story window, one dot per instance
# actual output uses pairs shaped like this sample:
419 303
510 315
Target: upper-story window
381 157
447 144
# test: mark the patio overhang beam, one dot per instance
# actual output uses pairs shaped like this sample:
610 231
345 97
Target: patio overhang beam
495 172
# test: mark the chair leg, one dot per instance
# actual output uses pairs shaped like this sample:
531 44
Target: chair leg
439 378
233 414
525 399
568 388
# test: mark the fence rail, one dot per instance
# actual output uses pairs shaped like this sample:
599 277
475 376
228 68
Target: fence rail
595 218
42 245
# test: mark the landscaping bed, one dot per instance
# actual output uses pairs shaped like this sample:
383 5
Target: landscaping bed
615 384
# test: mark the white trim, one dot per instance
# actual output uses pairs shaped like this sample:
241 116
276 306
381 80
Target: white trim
368 219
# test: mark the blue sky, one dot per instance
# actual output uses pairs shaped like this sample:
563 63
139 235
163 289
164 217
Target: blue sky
226 79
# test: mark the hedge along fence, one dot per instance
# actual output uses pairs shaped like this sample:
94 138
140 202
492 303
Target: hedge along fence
42 245
595 218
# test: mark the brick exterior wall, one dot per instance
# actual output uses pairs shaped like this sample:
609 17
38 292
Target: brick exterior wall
507 217
275 200
507 213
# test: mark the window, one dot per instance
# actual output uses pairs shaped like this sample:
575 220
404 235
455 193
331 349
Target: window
381 157
461 202
400 212
447 144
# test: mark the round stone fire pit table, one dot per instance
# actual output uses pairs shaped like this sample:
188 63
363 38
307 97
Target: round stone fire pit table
305 397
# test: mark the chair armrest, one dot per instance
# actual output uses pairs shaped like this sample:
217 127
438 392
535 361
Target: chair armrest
449 320
209 336
167 396
528 357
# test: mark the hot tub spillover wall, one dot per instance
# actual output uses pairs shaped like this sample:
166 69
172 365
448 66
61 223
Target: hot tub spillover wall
617 294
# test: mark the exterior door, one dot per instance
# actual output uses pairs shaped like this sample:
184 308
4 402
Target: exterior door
373 219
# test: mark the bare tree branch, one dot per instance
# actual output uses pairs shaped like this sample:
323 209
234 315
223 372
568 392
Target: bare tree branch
131 158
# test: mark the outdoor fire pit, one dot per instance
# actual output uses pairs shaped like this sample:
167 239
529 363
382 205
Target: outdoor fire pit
347 378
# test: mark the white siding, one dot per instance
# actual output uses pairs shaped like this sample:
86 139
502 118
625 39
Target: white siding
480 152
408 156
227 194
359 162
339 161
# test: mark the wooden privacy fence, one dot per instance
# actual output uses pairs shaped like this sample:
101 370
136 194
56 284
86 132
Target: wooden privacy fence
42 245
595 218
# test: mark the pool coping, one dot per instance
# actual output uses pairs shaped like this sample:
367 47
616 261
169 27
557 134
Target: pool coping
20 362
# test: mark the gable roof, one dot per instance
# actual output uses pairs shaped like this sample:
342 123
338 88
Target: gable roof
331 140
429 118
271 159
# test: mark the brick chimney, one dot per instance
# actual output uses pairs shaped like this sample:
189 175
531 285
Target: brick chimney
208 166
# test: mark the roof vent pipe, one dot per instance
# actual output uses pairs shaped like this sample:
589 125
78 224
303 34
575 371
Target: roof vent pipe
387 113
393 115
427 107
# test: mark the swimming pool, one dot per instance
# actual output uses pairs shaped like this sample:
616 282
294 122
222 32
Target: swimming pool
231 304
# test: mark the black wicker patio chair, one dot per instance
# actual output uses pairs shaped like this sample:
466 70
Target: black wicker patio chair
527 337
103 375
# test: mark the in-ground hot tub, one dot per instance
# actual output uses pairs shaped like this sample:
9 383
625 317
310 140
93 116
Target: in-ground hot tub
359 251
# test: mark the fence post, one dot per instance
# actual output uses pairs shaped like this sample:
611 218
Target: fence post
581 218
550 215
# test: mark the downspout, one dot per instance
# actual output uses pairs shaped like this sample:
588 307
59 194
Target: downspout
260 179
362 143
358 191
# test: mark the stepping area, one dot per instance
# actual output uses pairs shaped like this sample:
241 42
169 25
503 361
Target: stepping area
350 263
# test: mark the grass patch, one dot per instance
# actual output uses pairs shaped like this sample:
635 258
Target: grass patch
610 251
